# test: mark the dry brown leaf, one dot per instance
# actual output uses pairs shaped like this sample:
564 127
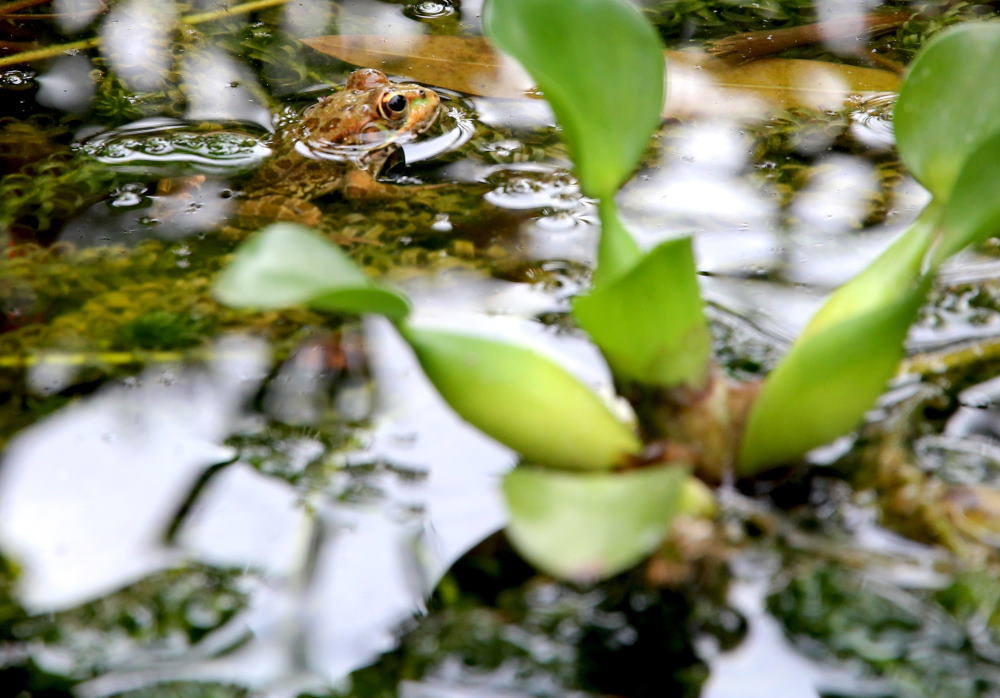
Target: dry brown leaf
464 64
698 83
701 84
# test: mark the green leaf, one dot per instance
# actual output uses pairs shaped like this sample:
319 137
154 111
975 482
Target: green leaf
600 65
972 212
522 399
826 382
948 134
586 527
650 323
882 282
617 250
286 264
947 105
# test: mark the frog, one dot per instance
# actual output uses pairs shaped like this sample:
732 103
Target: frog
340 144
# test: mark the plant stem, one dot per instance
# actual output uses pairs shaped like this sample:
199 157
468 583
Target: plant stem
110 358
234 10
200 18
617 250
49 51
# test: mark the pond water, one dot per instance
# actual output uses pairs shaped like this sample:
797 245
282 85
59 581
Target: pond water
203 501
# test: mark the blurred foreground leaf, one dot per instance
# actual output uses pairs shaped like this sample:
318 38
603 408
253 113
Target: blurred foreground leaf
586 527
945 110
972 212
826 382
649 323
948 134
523 400
557 44
286 264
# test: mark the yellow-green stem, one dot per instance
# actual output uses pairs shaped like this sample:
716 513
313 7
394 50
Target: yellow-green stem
199 18
110 358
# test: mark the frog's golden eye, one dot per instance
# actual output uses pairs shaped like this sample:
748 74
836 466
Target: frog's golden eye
392 105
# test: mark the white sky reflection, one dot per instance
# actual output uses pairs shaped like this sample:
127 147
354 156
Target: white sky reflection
86 493
135 40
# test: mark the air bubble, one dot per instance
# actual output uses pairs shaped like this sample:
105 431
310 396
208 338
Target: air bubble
429 9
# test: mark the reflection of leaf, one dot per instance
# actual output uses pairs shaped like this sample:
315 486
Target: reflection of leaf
698 82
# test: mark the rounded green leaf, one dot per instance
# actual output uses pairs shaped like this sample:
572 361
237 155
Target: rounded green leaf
948 104
523 400
287 264
586 527
826 382
600 65
649 322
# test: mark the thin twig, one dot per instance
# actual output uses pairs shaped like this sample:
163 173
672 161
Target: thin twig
234 10
19 5
17 45
200 18
48 15
756 44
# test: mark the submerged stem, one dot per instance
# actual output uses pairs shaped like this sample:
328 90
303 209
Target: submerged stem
953 357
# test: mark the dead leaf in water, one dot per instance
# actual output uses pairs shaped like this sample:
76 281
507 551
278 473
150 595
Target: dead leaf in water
698 83
701 84
464 64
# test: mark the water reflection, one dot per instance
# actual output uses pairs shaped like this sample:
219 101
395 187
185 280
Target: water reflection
837 198
850 38
218 87
87 493
136 38
171 146
306 17
699 186
67 84
89 497
74 15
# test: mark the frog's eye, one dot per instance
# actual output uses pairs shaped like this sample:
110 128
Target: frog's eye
392 105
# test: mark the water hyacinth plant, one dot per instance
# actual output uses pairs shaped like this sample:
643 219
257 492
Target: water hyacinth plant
594 494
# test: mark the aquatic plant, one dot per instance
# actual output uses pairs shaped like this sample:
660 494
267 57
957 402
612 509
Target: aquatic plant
591 497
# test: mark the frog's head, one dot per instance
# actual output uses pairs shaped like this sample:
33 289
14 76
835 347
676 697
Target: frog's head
372 113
